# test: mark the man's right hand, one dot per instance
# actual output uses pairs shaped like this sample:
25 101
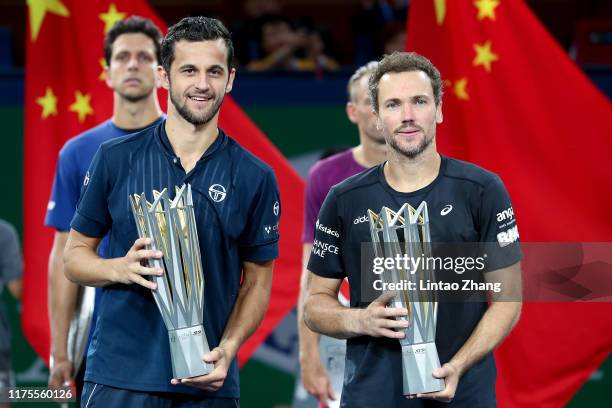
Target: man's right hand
378 320
315 380
130 269
60 374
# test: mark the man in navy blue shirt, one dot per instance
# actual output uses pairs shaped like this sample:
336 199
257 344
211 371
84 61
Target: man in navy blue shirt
132 51
465 205
237 208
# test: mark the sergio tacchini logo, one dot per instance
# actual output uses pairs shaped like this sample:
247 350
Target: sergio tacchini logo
217 192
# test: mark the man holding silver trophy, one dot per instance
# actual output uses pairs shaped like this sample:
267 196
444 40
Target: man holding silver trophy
396 211
207 212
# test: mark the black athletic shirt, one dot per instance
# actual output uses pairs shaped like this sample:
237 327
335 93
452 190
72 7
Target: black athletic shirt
465 204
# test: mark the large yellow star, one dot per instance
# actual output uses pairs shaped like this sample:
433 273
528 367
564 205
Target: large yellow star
486 8
81 105
48 102
440 6
111 17
484 56
459 89
38 9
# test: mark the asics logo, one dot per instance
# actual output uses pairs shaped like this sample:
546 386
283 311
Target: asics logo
447 209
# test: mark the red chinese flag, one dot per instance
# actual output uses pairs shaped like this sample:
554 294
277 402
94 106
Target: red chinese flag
515 104
65 95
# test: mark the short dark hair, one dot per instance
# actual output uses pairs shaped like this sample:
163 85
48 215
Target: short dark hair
405 62
134 24
196 29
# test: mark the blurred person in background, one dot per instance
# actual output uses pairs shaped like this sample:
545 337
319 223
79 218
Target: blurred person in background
11 268
287 48
245 31
323 175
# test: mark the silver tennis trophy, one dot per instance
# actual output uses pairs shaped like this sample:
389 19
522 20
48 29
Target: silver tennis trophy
171 227
406 232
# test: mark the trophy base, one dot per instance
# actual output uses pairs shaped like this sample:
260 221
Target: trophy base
418 363
187 346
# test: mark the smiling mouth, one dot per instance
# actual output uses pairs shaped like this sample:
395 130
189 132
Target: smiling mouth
200 98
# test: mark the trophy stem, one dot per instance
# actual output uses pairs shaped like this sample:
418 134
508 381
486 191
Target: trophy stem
187 347
418 363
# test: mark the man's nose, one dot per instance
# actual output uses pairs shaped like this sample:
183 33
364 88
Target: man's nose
133 63
203 82
407 113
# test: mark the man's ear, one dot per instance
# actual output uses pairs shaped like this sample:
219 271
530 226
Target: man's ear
439 115
230 81
162 77
351 112
107 77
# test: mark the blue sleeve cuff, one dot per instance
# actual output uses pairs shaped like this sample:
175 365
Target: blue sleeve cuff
260 253
88 226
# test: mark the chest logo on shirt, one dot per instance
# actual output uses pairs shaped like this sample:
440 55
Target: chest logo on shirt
447 209
217 192
276 208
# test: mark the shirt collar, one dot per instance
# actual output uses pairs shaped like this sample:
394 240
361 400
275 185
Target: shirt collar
164 143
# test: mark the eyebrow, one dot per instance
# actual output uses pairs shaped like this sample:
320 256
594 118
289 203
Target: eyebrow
216 66
413 97
187 66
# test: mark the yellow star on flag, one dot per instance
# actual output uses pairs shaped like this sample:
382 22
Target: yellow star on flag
440 8
38 9
484 56
102 76
81 105
111 17
459 89
486 8
48 102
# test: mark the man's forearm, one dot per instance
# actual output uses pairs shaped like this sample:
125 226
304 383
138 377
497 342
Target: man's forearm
494 326
82 265
250 307
308 340
61 299
324 314
62 303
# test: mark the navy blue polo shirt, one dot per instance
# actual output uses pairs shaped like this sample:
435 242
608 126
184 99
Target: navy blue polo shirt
236 205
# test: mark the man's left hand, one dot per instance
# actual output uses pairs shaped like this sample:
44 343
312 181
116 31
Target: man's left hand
214 380
450 374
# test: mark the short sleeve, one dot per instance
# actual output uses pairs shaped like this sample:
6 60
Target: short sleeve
259 240
65 192
92 216
325 257
313 201
11 263
498 228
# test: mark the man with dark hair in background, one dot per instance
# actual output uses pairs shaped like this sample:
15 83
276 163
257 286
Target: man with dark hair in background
463 201
237 208
11 269
132 51
323 175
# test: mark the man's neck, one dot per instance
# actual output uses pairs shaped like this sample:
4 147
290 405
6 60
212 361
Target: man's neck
407 175
188 141
369 153
135 115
